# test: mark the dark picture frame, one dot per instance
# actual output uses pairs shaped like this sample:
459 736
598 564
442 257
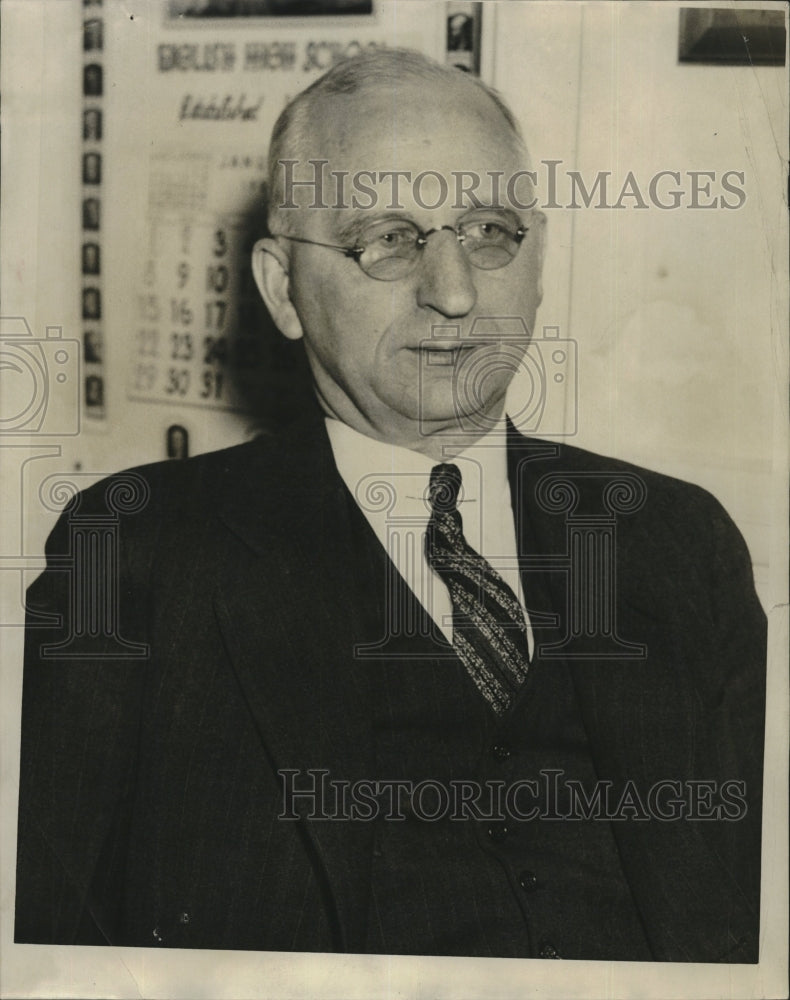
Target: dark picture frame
740 37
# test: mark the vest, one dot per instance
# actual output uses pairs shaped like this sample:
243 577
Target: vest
460 865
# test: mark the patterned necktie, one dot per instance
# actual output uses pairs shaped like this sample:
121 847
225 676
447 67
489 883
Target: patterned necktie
489 631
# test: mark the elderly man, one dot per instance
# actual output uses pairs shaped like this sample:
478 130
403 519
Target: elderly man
389 681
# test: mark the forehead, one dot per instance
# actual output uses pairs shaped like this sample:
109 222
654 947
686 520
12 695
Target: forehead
458 127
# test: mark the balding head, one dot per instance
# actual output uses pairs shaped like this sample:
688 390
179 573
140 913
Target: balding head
324 114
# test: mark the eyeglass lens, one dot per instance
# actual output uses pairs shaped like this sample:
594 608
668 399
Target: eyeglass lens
391 248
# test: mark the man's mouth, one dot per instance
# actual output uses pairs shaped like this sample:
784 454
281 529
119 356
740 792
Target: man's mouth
447 356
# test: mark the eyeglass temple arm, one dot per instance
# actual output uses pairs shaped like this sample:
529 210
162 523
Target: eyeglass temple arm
355 252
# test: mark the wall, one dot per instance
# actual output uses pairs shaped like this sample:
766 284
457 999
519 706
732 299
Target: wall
679 315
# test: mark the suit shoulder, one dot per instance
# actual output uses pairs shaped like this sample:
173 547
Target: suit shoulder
662 509
154 501
659 486
205 467
159 485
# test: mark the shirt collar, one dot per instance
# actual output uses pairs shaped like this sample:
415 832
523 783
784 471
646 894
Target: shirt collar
364 463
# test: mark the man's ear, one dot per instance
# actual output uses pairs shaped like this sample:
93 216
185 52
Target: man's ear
270 268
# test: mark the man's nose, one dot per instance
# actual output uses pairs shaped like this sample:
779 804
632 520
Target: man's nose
446 282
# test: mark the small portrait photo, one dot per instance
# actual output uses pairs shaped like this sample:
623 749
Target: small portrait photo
90 213
177 442
94 391
91 303
91 168
91 258
93 35
92 347
92 80
459 33
91 125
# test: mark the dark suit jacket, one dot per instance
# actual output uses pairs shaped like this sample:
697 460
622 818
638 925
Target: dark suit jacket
149 787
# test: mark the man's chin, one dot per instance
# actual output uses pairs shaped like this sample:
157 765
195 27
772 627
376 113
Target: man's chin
465 418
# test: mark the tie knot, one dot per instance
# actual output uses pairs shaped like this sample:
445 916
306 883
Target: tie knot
444 487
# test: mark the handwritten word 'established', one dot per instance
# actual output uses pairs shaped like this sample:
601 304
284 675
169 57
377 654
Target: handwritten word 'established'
228 108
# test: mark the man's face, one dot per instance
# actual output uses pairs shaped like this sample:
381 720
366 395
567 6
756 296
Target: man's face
378 362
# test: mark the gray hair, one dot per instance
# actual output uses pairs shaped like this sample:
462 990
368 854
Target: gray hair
370 70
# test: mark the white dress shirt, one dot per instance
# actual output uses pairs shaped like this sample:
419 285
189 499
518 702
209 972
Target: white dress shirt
390 486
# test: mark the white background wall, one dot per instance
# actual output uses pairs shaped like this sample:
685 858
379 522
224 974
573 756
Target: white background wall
680 316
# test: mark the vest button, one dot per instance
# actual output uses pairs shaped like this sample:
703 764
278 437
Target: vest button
528 881
547 950
497 832
501 751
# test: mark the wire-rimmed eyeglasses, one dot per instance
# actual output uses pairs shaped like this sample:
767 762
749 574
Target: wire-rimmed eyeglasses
390 249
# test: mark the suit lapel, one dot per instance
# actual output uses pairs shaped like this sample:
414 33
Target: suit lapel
290 610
